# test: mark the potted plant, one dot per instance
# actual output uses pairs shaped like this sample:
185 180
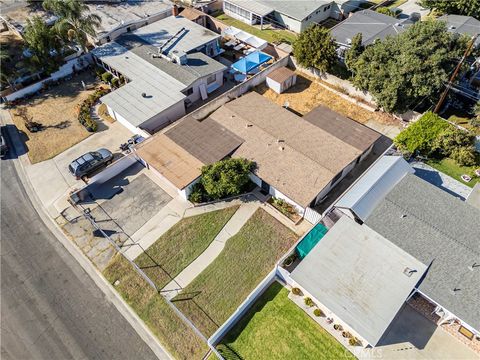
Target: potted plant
318 312
346 334
308 301
289 260
296 291
353 341
338 327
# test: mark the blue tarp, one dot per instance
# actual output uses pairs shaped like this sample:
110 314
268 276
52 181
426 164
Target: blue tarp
251 62
310 240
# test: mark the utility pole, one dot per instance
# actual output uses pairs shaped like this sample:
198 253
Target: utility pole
455 73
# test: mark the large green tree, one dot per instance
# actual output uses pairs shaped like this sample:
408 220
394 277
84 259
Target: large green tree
356 49
74 20
402 70
459 7
314 47
226 177
43 45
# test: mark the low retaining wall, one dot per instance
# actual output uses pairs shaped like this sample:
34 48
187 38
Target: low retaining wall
113 170
64 71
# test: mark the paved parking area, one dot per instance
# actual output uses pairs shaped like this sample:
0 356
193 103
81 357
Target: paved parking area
412 336
137 200
51 178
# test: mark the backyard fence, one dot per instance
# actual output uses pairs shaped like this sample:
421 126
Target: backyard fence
65 70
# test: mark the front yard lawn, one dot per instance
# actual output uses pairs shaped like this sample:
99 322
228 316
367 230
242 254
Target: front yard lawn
55 110
182 244
270 35
276 328
151 307
451 168
247 258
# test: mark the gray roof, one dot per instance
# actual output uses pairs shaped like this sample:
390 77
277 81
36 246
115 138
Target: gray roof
128 100
374 185
460 24
359 276
442 232
207 140
160 31
474 196
371 24
198 64
298 10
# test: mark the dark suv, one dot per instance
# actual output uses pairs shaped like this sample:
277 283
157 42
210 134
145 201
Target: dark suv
89 162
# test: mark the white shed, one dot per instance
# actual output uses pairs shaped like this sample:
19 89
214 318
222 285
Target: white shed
281 79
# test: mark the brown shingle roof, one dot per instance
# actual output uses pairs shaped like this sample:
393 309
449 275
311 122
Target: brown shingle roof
310 159
206 140
281 74
351 132
170 160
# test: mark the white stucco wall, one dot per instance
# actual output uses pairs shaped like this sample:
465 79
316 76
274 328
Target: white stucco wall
195 96
165 118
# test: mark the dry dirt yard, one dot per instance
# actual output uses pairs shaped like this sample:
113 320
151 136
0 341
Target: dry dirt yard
55 110
308 94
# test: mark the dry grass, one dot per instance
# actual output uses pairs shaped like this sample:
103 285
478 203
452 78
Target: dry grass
308 93
52 108
103 113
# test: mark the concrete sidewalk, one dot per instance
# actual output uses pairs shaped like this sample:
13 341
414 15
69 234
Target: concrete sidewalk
231 228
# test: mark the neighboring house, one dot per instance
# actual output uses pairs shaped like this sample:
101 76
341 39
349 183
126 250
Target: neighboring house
168 66
431 225
466 25
119 18
358 278
297 159
292 15
371 24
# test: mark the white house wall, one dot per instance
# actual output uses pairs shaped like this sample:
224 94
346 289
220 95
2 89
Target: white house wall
234 15
288 22
165 118
195 95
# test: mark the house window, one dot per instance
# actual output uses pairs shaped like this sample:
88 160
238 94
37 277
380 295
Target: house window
211 79
237 10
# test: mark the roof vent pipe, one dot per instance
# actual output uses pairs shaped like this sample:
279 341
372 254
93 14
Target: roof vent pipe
144 95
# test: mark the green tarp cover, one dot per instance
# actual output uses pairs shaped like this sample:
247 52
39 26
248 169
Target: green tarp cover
310 240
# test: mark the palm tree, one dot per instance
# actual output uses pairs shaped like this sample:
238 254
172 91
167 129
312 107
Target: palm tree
74 20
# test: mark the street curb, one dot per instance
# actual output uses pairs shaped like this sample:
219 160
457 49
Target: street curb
108 290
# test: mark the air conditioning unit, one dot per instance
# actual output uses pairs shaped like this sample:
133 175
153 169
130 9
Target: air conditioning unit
179 57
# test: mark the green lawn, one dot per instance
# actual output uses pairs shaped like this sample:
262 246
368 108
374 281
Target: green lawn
272 36
173 333
276 328
182 244
247 258
451 168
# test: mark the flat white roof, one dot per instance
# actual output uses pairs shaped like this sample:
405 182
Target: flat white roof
360 276
162 91
364 196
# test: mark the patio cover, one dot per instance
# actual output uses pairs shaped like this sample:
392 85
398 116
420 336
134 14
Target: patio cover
245 37
251 62
360 276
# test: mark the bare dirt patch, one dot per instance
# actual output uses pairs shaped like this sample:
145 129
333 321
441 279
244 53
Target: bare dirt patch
308 93
56 111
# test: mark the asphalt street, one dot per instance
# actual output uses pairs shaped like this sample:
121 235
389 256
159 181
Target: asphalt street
50 307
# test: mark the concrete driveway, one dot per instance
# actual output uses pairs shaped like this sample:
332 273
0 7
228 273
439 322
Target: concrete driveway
51 179
412 336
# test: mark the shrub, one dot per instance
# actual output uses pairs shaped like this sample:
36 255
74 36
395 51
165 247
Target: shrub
422 134
385 11
318 312
226 177
115 82
196 196
464 156
107 77
296 291
452 139
353 341
308 301
338 327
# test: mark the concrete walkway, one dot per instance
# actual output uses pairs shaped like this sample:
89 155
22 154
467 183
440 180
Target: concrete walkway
231 228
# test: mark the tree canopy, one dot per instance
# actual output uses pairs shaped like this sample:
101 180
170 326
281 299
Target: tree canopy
402 70
385 11
42 44
459 7
356 49
314 47
74 20
225 178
